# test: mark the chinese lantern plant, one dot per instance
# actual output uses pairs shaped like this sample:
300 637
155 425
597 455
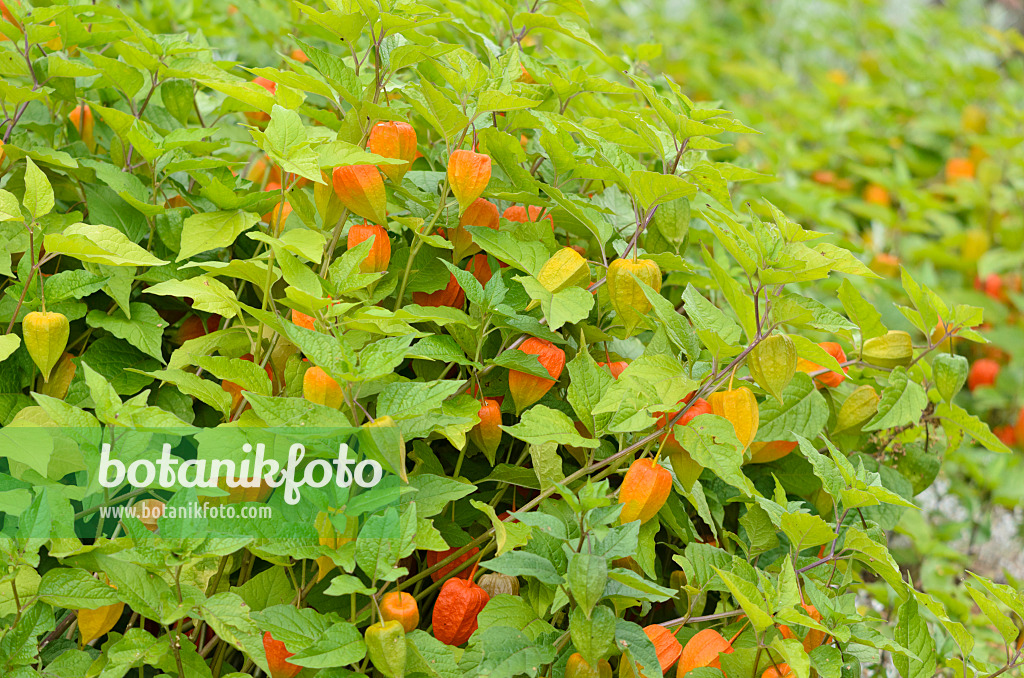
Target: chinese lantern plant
622 425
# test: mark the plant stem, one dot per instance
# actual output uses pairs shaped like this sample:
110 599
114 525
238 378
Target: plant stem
679 621
417 244
111 502
329 250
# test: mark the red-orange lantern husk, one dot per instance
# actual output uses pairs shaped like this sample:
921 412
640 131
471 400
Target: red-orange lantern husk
303 320
400 606
615 368
483 213
380 252
699 407
480 268
984 372
452 295
434 557
487 434
703 650
526 389
644 490
256 117
780 671
456 610
666 645
360 188
320 388
764 453
521 214
468 175
394 139
829 379
277 658
81 117
814 637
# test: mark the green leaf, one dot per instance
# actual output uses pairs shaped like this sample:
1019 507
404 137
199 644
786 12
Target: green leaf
861 312
793 654
207 294
827 661
434 493
340 644
268 588
38 192
960 420
437 110
212 230
75 589
245 373
468 282
528 363
593 635
655 188
523 564
541 424
571 305
902 402
759 528
297 412
1007 595
586 577
824 468
430 657
404 400
111 357
716 330
442 348
960 634
874 555
228 616
380 358
210 392
805 530
9 343
99 245
1000 620
493 100
582 211
527 256
587 383
73 284
808 350
508 653
749 598
547 464
507 535
802 412
636 647
303 281
383 540
712 443
805 312
711 182
144 329
742 305
9 208
678 329
512 611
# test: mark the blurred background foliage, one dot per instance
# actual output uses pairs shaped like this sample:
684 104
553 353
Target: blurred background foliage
896 126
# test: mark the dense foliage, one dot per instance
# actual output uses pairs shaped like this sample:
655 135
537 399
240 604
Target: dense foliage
653 390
